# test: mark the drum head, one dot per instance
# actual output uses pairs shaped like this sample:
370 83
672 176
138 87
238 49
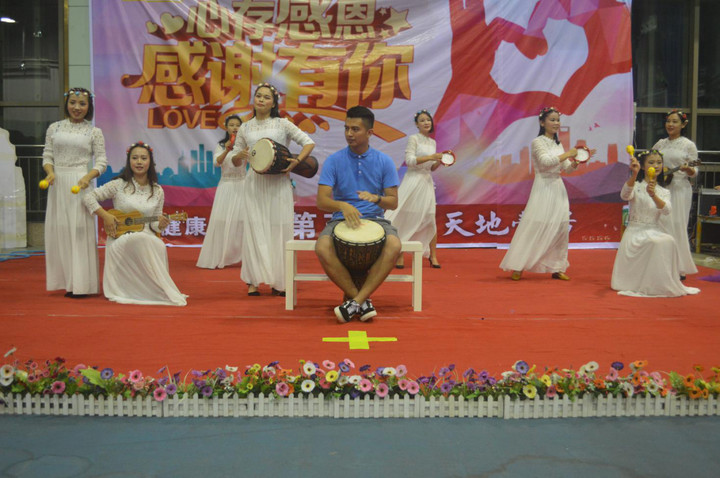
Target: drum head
583 155
448 158
368 232
262 155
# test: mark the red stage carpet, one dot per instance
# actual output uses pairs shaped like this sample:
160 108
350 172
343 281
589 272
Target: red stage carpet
473 315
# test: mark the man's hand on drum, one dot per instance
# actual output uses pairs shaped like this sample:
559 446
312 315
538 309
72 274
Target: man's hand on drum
293 163
240 157
351 215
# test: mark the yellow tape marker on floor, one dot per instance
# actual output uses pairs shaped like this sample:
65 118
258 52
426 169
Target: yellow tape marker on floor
358 339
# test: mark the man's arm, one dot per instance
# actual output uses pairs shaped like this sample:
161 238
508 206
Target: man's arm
325 202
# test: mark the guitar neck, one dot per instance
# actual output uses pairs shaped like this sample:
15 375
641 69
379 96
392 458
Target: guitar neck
145 220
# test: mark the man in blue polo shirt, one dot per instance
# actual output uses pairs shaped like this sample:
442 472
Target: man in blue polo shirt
358 182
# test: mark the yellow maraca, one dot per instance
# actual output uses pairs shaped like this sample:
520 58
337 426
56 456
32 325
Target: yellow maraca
630 150
43 184
651 174
75 189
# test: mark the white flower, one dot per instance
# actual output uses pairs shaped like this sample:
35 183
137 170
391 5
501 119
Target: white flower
309 368
5 381
231 369
355 379
308 386
343 380
7 371
268 368
628 389
389 371
508 374
591 367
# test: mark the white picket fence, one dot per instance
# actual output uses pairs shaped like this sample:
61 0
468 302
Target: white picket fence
388 407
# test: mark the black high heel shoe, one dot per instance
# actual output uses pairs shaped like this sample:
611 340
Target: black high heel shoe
280 293
255 293
434 266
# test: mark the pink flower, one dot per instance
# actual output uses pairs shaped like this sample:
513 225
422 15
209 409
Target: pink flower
328 364
382 390
403 384
413 387
282 389
324 383
349 363
159 394
365 385
401 370
78 367
136 376
139 384
612 376
552 391
58 387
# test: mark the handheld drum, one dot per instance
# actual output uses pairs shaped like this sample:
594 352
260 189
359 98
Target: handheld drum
448 158
583 154
270 157
358 249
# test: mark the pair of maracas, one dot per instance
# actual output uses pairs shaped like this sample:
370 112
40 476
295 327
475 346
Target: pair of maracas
44 185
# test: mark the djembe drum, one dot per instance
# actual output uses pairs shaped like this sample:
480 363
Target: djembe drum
270 157
358 249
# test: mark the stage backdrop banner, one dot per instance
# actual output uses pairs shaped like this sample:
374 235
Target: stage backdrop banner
168 73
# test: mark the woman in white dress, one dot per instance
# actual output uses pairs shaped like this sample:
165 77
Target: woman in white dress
71 257
414 217
223 242
136 263
540 242
267 198
679 151
647 262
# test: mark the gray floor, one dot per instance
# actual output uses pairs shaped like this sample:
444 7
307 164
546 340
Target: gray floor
140 447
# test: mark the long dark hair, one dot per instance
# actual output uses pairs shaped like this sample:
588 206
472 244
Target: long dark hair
660 177
127 174
683 119
275 110
544 113
425 112
223 141
81 92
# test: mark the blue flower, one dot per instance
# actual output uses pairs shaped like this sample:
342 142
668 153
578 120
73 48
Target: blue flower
344 367
171 389
617 366
206 391
469 373
521 367
364 367
446 387
106 374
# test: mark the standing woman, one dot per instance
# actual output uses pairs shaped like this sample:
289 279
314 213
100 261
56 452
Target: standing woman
71 257
223 242
679 151
267 198
136 263
414 217
540 243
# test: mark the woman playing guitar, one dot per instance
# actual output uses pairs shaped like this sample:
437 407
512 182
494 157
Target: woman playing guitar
136 264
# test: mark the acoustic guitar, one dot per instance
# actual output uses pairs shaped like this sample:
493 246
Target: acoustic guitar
135 222
691 164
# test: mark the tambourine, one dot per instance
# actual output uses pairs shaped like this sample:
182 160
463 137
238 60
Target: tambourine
583 154
448 158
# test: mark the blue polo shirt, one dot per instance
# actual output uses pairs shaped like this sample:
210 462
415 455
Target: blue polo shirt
347 173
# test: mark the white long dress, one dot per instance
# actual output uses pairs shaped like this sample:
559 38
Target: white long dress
414 217
71 257
136 263
222 245
647 263
540 242
677 152
267 205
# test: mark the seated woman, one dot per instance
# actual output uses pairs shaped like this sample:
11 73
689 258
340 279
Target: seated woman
136 264
647 262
